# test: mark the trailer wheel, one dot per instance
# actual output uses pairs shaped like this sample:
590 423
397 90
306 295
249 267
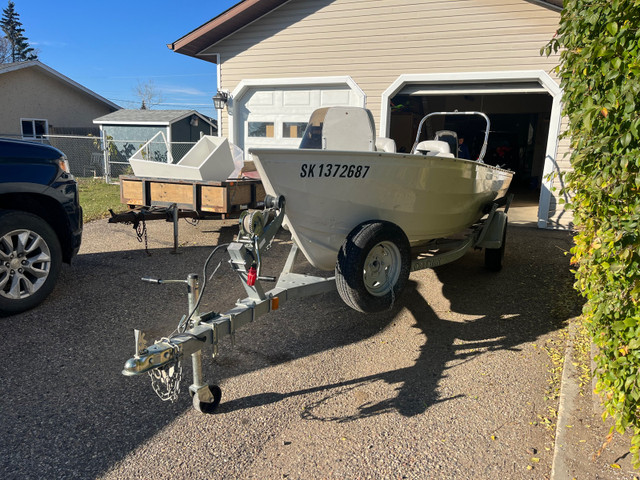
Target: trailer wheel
373 266
493 256
207 407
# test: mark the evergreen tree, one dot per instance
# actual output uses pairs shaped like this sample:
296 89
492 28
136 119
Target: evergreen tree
12 28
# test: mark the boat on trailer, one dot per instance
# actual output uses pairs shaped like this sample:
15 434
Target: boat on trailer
353 206
343 181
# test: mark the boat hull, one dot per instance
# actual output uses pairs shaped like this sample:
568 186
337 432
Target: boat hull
328 193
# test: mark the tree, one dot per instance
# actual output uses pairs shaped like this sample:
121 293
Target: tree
148 94
5 50
20 50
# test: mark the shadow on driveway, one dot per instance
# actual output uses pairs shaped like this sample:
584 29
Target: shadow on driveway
68 412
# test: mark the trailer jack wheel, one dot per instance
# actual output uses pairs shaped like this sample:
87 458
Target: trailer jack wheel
207 398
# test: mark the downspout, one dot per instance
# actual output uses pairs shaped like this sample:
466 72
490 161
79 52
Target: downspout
218 82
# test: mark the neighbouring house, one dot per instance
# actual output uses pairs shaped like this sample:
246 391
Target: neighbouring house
278 60
37 100
126 131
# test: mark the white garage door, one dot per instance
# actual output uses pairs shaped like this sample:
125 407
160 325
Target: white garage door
277 116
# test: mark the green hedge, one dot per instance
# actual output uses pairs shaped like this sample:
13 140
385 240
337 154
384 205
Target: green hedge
599 41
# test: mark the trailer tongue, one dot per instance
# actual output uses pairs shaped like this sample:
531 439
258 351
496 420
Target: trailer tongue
162 360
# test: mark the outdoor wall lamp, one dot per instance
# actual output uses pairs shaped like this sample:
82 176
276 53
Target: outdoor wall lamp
220 100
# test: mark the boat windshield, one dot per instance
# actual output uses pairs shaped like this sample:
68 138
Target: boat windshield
312 137
340 128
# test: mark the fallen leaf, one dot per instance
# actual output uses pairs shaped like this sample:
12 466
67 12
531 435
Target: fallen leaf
615 465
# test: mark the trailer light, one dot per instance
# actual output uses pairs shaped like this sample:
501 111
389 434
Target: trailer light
275 303
251 276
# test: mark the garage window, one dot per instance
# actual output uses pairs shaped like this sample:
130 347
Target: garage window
261 129
293 129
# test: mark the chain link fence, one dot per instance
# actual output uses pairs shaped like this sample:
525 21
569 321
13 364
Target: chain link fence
118 153
89 158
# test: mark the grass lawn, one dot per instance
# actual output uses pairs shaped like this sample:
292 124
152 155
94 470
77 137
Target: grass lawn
97 197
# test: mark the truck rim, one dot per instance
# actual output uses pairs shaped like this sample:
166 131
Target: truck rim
25 262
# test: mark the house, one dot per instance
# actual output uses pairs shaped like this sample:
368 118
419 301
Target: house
278 60
128 130
37 100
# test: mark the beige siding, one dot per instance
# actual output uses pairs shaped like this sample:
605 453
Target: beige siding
374 41
30 93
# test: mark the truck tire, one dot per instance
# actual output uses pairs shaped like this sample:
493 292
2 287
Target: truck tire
373 266
30 261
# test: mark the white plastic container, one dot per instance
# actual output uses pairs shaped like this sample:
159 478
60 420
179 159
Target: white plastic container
208 160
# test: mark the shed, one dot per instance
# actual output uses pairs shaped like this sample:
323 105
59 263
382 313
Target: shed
125 131
278 60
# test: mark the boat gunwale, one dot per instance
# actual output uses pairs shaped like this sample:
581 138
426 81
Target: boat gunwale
320 152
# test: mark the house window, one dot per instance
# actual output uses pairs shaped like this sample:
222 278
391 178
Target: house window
261 129
34 128
293 129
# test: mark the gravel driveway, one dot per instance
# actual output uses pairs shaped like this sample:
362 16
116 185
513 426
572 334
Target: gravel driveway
451 384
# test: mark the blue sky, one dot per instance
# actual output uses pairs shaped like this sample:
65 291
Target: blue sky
110 47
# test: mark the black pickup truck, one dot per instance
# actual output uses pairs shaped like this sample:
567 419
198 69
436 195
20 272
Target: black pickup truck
40 222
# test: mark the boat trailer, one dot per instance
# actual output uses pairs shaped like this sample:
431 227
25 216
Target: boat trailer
257 229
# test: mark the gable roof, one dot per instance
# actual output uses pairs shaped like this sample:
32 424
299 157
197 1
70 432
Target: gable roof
36 64
148 117
241 15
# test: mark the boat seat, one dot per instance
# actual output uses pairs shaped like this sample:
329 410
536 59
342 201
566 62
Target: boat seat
434 148
384 144
451 138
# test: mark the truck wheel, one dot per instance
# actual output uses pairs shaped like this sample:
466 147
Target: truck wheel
30 260
493 256
373 266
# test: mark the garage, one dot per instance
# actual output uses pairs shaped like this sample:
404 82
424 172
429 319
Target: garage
524 110
274 113
519 127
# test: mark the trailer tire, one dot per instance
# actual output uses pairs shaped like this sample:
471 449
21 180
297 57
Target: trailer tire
373 266
493 256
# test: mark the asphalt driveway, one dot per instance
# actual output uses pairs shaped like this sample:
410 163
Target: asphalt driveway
453 383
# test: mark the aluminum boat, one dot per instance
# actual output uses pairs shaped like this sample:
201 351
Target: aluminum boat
342 175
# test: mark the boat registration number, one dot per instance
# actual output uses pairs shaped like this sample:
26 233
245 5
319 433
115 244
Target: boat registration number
337 170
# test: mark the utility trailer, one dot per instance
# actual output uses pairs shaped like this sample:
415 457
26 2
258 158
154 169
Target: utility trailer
151 198
257 229
206 198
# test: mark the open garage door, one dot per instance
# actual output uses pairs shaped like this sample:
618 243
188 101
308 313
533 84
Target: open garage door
525 111
519 125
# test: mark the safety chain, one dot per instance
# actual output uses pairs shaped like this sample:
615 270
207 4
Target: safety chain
165 380
141 233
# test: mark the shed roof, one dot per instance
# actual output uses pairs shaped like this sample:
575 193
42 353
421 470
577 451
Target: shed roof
147 117
239 16
36 64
